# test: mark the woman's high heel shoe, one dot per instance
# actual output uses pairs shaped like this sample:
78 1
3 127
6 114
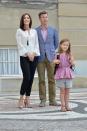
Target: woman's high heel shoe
21 102
27 102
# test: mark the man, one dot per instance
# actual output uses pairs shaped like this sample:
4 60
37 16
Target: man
48 43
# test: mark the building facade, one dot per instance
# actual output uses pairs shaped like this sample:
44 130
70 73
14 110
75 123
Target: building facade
68 16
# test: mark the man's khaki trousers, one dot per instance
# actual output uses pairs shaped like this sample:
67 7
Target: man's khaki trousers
49 66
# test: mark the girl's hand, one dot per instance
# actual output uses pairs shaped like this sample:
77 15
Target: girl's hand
56 61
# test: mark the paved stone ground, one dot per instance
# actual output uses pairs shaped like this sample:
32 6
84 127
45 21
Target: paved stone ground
48 118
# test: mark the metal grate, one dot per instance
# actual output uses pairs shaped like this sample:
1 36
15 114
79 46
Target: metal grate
9 62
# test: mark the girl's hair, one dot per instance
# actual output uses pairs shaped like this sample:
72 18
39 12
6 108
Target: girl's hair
61 42
22 21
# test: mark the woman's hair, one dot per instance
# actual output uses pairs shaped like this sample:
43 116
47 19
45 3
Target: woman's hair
22 21
69 48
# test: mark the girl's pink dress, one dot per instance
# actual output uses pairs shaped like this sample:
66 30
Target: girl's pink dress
64 71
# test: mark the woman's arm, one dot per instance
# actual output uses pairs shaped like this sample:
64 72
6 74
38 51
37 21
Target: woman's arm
36 46
22 50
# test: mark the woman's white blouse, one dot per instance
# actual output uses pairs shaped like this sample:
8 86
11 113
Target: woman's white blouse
31 36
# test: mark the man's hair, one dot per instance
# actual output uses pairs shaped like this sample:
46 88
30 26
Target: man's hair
42 12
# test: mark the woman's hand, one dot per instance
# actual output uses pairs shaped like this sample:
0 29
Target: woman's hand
31 56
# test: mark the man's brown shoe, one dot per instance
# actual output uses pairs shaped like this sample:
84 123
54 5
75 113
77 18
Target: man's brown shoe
42 104
54 104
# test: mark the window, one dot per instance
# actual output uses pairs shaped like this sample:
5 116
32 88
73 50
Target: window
9 62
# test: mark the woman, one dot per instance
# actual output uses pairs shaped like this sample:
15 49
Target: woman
28 47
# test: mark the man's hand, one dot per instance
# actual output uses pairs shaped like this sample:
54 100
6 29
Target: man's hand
56 61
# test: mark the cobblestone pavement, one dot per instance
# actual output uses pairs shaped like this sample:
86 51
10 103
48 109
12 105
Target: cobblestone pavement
47 118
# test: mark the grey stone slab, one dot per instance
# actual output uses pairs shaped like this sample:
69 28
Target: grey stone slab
43 126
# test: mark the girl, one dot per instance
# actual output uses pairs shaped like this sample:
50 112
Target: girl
64 73
28 47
